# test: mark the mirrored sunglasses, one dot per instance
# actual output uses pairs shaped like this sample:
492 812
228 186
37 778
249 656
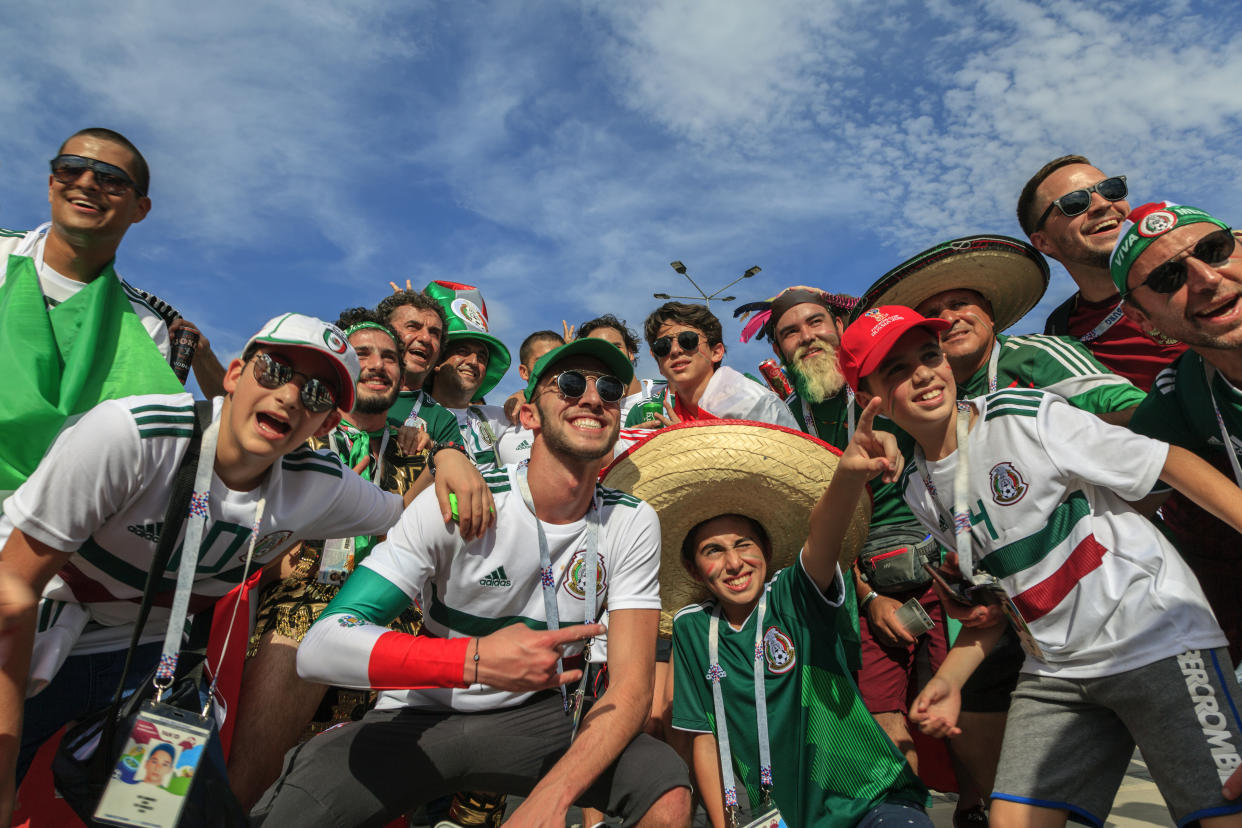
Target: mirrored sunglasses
573 384
316 395
1213 250
113 180
1077 202
662 347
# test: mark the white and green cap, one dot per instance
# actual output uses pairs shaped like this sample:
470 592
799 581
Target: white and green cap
465 313
295 330
1144 225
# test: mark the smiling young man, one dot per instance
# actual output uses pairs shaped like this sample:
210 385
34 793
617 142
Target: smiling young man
1072 212
82 530
1121 644
686 343
72 332
752 542
420 744
1180 273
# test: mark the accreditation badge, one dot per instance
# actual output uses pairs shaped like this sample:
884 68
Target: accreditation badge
771 819
336 561
156 768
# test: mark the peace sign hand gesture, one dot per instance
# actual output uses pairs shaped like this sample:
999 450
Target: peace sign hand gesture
872 452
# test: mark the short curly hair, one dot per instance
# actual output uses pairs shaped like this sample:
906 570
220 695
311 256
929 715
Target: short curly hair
415 299
692 316
608 320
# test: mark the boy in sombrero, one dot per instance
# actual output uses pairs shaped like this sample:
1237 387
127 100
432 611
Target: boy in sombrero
1122 647
737 502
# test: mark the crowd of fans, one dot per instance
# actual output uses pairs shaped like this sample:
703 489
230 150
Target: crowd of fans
921 552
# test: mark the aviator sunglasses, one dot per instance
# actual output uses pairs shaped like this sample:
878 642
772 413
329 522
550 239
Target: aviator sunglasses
1076 202
573 384
317 397
1213 250
688 340
113 180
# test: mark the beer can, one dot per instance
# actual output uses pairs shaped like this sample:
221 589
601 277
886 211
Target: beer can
183 346
775 378
648 409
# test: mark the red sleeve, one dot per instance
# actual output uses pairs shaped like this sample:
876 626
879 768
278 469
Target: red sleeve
400 661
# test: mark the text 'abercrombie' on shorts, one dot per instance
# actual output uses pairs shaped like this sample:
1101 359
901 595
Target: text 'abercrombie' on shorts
1068 741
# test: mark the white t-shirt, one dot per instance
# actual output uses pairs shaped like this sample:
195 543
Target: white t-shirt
103 488
1100 587
514 446
58 288
482 427
474 588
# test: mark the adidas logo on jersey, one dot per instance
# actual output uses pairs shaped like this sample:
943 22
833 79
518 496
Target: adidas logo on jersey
496 578
147 531
525 444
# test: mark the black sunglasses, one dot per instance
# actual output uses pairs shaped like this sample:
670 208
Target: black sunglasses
113 180
573 384
1213 250
688 340
317 396
1073 203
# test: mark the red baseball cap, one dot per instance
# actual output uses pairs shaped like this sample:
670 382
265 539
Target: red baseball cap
871 336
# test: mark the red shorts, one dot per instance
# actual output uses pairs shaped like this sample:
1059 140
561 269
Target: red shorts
888 680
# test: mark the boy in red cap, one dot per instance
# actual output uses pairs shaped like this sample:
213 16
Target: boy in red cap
1122 647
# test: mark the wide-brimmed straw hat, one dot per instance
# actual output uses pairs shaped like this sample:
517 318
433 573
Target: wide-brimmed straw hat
692 472
1007 272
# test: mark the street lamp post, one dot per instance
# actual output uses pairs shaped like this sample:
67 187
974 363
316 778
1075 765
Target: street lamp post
703 295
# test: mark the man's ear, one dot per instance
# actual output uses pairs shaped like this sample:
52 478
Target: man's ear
524 373
528 416
141 209
232 376
329 423
840 323
1041 242
717 353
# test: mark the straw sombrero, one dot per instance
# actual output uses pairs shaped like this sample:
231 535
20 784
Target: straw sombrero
1007 272
695 471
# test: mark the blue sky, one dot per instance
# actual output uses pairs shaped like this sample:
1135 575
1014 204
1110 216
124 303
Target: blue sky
560 154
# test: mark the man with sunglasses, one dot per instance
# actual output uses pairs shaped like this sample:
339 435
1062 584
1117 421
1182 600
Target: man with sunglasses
83 529
1072 212
687 345
60 277
1179 271
593 544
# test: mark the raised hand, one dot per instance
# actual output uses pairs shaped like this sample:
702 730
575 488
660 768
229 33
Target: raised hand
870 451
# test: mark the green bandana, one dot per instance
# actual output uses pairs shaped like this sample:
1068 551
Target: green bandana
355 446
60 363
1143 226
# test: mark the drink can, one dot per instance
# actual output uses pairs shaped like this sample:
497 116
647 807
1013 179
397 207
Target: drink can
775 378
183 346
648 410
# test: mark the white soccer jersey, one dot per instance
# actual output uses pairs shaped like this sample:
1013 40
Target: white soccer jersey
514 445
57 288
103 488
482 427
1100 587
475 588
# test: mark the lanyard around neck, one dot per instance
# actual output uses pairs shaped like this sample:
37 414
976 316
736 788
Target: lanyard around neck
1209 373
547 578
993 361
961 481
1114 316
714 674
485 428
849 415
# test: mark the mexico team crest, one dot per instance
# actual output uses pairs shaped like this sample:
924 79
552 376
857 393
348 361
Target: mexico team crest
268 543
575 580
778 651
470 312
1008 486
333 338
1153 224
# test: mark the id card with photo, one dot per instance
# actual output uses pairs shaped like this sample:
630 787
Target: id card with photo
336 561
156 769
772 819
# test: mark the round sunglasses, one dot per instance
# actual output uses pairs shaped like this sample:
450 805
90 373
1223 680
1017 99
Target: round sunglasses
1214 250
1076 202
662 347
316 395
113 180
573 384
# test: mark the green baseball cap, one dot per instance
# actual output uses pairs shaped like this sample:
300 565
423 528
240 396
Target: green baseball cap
616 362
466 315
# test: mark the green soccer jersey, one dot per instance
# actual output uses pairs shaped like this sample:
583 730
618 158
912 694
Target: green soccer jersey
1179 408
831 763
1059 365
441 424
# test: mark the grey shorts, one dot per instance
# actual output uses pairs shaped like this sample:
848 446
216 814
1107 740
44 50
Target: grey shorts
1068 741
391 761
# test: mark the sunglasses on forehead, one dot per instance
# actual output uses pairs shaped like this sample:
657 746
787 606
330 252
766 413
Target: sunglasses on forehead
113 180
573 384
1077 202
316 395
687 340
1214 250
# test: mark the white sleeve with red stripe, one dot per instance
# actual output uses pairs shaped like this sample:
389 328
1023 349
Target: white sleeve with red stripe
348 651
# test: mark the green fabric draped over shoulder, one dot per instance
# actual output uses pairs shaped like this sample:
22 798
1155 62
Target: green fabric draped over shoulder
59 363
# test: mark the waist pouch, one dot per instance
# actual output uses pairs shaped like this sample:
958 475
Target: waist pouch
893 556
